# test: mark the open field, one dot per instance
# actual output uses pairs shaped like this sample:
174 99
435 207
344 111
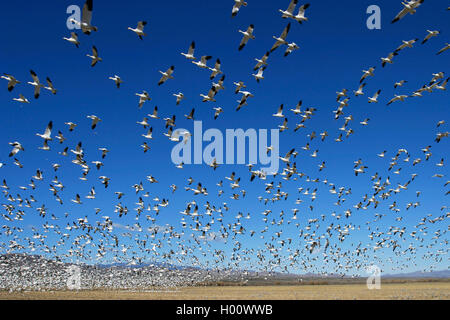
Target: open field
394 291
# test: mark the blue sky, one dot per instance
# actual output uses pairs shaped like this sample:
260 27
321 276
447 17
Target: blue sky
335 46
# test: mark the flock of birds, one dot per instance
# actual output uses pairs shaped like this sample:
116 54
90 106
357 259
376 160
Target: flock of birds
206 222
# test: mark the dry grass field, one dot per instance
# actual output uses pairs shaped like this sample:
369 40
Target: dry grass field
389 291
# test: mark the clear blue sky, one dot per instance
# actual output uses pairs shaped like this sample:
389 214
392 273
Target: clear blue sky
335 46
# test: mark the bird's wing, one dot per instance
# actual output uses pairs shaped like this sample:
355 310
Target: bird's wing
400 15
191 48
141 25
87 13
34 76
291 7
285 31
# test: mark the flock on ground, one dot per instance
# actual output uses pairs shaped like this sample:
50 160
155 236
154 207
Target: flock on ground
206 219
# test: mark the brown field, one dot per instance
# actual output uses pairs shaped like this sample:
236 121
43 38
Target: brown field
389 291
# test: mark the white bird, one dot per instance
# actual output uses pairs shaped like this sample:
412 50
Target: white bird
139 30
36 84
259 76
11 81
406 44
290 48
143 97
166 75
73 39
50 86
239 85
300 17
95 120
279 113
218 111
117 80
287 157
154 115
48 132
71 125
360 92
281 39
237 5
21 99
374 99
297 108
431 33
202 63
180 96
210 96
397 98
16 148
447 47
261 62
95 58
289 12
86 18
367 73
190 54
408 7
248 34
400 83
388 59
216 70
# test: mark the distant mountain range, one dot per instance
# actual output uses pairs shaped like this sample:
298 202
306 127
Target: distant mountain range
419 274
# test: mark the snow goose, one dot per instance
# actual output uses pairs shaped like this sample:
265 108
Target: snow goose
290 48
143 97
11 81
139 30
71 125
190 54
259 75
216 70
117 80
388 59
95 58
374 99
367 73
431 33
21 99
36 84
397 98
166 75
261 62
279 113
48 132
360 92
300 17
406 44
237 5
247 35
447 46
281 39
289 12
180 96
408 7
95 121
73 39
17 146
154 115
50 87
86 18
203 62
